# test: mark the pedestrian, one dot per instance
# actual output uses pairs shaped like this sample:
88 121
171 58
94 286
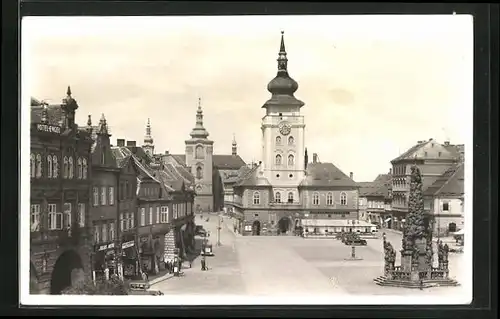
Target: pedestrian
421 284
190 264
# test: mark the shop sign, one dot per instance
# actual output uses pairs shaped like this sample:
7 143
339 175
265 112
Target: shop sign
105 247
48 128
128 244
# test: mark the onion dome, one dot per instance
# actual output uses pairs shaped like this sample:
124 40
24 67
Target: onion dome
282 83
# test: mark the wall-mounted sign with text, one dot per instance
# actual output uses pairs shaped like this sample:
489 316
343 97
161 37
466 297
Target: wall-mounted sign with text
48 128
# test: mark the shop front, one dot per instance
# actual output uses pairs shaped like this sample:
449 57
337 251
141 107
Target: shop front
106 261
147 254
129 259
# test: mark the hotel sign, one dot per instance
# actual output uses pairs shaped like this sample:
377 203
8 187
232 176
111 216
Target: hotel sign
128 244
48 128
105 247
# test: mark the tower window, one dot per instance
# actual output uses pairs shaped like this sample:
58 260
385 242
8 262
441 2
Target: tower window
290 160
256 198
329 199
278 159
343 198
199 152
199 172
291 175
278 140
291 140
315 198
290 197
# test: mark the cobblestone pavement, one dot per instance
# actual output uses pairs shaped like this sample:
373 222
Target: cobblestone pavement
289 265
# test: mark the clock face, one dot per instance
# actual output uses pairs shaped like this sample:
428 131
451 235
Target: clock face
284 128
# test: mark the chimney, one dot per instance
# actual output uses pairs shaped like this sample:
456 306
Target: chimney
447 143
351 175
120 142
130 143
166 153
315 157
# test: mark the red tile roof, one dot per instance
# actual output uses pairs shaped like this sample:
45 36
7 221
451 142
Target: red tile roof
325 175
450 183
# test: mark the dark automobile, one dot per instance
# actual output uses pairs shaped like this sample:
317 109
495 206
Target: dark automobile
200 231
355 242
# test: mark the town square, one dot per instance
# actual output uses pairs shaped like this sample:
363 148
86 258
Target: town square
148 178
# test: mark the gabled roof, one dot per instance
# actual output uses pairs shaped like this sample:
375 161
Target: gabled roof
218 161
252 178
324 175
450 183
228 161
429 149
122 155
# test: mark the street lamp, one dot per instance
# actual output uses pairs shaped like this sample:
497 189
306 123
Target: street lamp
218 230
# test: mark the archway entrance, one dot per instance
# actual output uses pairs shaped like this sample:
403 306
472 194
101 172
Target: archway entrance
33 280
452 227
284 225
68 270
256 228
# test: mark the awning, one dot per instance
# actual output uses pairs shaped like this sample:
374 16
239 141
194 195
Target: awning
460 232
387 219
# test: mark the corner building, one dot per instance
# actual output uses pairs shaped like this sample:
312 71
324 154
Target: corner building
282 192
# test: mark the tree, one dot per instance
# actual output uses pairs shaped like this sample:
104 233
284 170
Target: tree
415 225
113 286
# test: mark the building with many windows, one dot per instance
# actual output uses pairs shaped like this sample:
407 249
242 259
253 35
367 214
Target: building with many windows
375 201
433 160
283 191
60 173
104 209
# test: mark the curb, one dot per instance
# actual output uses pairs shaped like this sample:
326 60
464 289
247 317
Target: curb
160 279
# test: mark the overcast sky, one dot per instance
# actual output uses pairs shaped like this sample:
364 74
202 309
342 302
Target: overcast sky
372 85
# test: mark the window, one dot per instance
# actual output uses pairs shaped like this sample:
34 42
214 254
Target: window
277 197
103 156
32 165
65 167
446 207
55 167
150 215
79 168
104 232
112 231
127 189
256 198
291 140
84 168
97 234
132 220
174 210
49 166
199 152
55 218
35 217
343 198
290 160
81 214
199 172
329 199
157 214
290 197
70 169
67 215
103 195
315 198
164 214
143 216
122 222
38 165
96 196
278 140
278 159
111 195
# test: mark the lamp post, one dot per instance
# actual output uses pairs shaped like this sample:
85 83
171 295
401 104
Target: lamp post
218 230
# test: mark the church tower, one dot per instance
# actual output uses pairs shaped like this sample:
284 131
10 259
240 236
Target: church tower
148 145
283 150
234 150
199 152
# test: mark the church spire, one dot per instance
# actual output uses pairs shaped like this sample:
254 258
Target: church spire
103 126
45 117
282 59
235 146
199 130
148 139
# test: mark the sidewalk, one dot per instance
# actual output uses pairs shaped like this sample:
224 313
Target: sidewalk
231 228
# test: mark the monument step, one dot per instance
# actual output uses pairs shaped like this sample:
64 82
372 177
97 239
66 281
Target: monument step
384 281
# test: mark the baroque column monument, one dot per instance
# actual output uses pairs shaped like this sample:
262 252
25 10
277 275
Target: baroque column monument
416 269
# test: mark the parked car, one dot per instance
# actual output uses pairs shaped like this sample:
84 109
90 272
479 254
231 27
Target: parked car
200 231
356 242
149 292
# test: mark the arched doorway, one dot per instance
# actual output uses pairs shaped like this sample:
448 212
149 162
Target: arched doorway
33 279
284 225
68 270
452 227
256 228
